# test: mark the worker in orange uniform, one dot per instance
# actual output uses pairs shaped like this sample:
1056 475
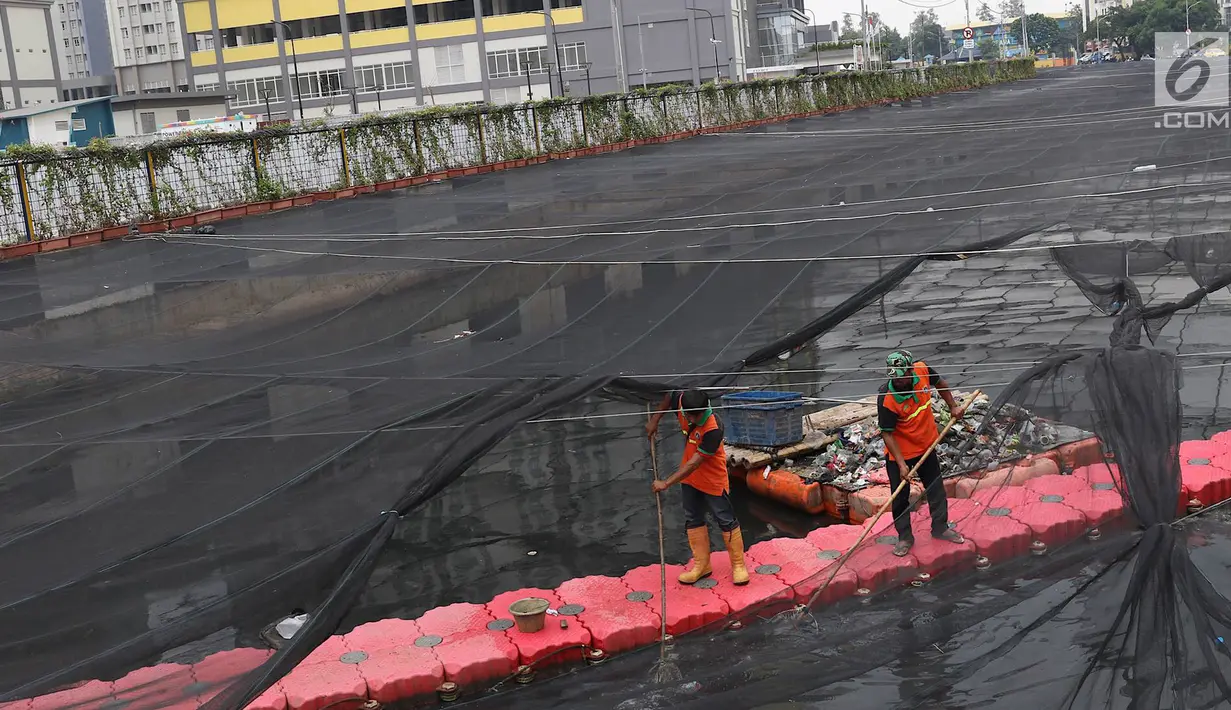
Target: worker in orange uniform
904 413
703 471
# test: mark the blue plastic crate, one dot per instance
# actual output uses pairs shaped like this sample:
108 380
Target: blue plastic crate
763 418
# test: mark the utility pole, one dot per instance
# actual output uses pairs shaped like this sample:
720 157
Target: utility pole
617 30
1025 34
863 17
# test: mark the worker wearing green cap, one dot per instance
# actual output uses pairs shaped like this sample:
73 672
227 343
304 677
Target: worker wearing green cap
904 413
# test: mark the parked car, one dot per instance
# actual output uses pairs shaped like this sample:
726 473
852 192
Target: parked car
1086 58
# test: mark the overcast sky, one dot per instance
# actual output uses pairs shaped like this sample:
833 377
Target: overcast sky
898 14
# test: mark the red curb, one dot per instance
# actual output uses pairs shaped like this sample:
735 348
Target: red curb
303 200
278 205
470 171
115 232
230 212
483 169
401 183
453 173
53 244
18 250
387 185
151 227
86 238
326 196
418 180
185 221
259 207
345 193
364 189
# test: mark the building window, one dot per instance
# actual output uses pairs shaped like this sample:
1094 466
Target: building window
124 32
140 53
210 88
507 95
573 56
183 114
175 47
252 34
65 41
147 29
79 123
251 92
128 55
383 77
61 9
510 7
61 125
76 41
147 122
450 67
170 28
159 26
166 7
151 50
444 12
515 62
121 11
316 84
557 4
781 38
376 19
147 7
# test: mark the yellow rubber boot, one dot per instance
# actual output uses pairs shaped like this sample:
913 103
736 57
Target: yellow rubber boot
735 550
699 541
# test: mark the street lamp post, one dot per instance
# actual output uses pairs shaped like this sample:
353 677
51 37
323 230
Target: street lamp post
589 88
713 39
555 43
295 60
641 50
525 65
816 45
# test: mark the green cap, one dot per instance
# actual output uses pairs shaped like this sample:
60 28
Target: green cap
899 363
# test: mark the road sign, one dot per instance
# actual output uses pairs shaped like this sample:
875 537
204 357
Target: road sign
968 34
1188 31
968 44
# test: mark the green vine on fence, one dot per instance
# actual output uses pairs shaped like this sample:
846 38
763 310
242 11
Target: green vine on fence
101 185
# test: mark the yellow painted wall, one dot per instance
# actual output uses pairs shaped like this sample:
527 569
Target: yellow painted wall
518 21
567 16
379 38
366 5
252 52
241 13
300 9
196 16
426 2
310 45
203 59
441 30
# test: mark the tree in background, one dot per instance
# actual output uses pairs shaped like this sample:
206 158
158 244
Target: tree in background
984 13
1132 28
926 35
1011 8
1043 32
1070 36
848 28
989 48
892 44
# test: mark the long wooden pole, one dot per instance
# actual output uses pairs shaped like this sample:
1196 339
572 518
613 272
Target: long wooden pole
885 506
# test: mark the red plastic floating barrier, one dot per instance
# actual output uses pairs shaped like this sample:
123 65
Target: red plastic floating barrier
688 607
1028 469
1205 480
938 556
865 503
1058 485
991 481
551 639
763 591
615 623
1222 438
394 667
804 568
471 653
876 566
94 695
156 687
312 686
1050 522
216 671
1098 506
1201 449
1099 473
836 538
995 535
1081 453
1007 497
274 698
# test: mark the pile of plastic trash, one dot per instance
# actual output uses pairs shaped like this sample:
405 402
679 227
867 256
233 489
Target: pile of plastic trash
859 451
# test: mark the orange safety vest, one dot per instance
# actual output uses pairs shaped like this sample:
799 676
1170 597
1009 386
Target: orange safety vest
916 428
711 476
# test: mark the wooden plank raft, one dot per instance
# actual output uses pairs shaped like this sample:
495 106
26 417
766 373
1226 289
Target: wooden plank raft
816 437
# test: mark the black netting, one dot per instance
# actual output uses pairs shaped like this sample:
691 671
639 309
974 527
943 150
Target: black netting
367 409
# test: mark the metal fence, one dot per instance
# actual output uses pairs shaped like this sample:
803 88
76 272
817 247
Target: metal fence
45 194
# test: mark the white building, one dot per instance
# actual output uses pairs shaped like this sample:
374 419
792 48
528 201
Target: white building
30 74
147 46
85 57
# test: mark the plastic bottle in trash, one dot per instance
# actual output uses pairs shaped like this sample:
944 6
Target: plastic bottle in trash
291 625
